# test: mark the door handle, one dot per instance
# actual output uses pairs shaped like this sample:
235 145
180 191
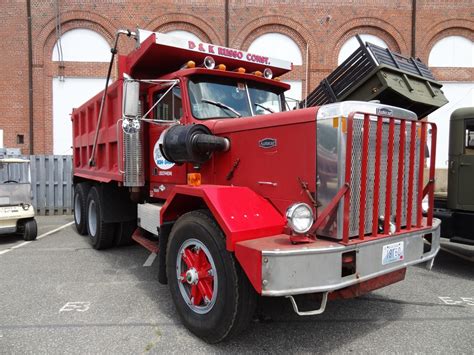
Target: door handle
464 164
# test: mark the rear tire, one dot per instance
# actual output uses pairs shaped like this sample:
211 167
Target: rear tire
101 234
30 230
215 305
81 191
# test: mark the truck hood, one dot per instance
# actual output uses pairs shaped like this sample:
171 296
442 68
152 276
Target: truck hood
224 126
271 154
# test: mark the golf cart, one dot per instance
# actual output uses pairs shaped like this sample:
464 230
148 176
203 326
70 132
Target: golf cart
17 214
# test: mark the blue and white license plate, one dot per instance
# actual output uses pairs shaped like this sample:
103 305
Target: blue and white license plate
391 253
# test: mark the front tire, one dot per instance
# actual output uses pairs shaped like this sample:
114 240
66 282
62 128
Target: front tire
81 191
30 230
101 234
212 295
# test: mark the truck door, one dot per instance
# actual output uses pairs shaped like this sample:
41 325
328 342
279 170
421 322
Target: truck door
162 172
466 167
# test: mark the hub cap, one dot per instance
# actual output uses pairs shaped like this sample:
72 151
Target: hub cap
77 209
197 276
92 218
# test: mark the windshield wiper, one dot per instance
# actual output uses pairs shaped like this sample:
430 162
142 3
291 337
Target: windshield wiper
221 105
264 107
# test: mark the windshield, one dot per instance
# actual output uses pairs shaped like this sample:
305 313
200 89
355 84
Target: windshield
13 171
213 97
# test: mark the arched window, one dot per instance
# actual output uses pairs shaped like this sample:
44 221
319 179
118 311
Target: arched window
81 45
294 94
277 45
184 34
452 51
352 44
78 45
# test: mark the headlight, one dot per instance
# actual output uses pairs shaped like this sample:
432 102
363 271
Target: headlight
300 217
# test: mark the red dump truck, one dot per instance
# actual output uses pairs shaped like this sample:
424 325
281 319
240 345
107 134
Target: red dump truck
193 153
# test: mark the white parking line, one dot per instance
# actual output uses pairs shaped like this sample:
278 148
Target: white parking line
150 260
39 237
459 255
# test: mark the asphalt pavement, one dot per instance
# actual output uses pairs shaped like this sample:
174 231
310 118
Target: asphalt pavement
58 295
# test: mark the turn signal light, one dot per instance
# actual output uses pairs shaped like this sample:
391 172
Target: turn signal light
194 179
221 67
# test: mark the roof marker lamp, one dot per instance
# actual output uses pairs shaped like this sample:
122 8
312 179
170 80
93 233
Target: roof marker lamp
257 73
300 217
267 73
189 64
209 62
240 70
221 67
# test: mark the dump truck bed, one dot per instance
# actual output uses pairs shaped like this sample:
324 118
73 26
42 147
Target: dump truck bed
106 166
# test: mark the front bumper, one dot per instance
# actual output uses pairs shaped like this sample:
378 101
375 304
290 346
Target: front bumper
10 215
277 268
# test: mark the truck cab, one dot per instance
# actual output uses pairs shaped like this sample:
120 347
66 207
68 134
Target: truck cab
203 96
456 209
193 154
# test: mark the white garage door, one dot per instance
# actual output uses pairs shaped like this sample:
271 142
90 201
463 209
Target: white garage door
69 94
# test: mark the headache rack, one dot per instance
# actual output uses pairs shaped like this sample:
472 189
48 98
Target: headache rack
376 73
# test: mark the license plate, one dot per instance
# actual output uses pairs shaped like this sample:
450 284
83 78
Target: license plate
392 253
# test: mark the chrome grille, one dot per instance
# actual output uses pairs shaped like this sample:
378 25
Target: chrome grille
332 182
355 185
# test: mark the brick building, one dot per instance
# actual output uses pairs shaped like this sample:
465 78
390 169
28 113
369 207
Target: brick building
315 35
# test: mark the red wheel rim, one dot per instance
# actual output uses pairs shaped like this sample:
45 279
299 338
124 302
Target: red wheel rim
197 276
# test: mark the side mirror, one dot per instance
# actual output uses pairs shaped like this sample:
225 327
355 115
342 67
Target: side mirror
130 104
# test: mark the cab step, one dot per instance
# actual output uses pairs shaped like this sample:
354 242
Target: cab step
140 236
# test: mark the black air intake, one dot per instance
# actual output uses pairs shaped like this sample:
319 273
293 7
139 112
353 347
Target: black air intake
191 144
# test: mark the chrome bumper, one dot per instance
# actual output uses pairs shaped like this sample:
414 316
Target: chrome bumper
316 267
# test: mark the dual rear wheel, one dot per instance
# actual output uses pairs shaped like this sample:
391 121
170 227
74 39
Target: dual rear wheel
89 219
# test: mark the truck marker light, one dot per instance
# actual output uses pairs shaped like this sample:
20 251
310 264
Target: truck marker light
277 78
189 64
335 123
194 179
257 73
221 67
240 70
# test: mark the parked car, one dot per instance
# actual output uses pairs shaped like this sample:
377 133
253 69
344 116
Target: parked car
17 214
